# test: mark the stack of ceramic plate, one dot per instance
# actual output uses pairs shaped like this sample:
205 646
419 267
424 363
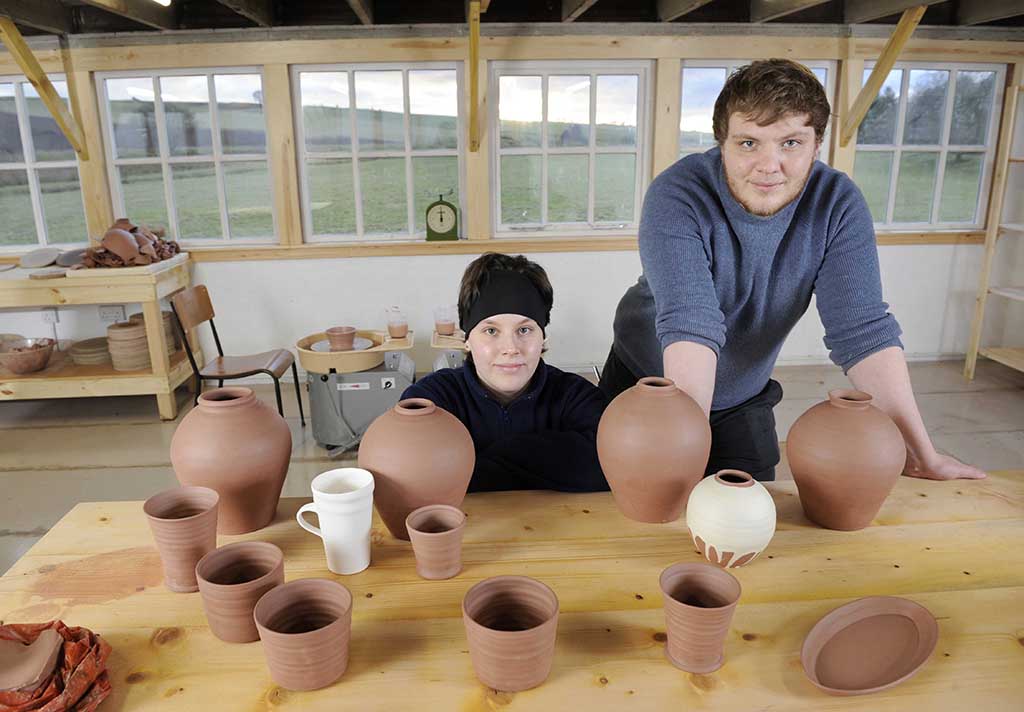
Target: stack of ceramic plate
170 329
90 352
129 349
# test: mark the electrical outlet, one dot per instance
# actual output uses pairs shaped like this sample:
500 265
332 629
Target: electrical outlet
111 313
50 315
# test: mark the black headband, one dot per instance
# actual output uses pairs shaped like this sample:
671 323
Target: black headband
505 292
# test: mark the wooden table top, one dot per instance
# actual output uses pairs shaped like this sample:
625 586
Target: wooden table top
955 547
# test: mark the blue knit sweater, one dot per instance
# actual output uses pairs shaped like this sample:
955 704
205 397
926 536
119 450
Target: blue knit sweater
718 275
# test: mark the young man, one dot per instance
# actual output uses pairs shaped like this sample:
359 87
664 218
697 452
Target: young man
533 426
733 244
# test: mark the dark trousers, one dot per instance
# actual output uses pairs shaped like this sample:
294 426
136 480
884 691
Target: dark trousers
742 437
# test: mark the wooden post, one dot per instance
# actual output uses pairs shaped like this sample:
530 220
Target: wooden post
474 72
666 114
891 51
277 103
476 224
850 72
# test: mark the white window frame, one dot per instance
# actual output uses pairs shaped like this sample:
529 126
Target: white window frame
642 150
414 230
988 148
731 65
32 166
165 160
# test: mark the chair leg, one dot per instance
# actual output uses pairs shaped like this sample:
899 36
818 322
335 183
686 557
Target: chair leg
277 391
199 390
220 383
298 393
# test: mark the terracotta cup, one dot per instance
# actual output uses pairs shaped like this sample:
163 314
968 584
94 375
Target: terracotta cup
305 626
184 525
231 580
700 600
511 623
436 533
341 338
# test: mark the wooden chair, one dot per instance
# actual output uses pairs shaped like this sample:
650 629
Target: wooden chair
192 307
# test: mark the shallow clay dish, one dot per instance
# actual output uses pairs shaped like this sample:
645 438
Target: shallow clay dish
43 257
359 344
869 645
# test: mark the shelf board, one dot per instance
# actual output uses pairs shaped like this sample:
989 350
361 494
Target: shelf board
1012 227
1014 293
1008 356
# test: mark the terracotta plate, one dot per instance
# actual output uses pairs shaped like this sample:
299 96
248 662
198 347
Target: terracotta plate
869 645
360 344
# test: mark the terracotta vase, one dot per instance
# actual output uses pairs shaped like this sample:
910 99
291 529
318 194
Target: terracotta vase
511 622
846 456
653 443
418 454
184 525
731 518
239 446
700 600
305 627
232 579
436 533
341 338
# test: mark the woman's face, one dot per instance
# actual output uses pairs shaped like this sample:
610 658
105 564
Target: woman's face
506 350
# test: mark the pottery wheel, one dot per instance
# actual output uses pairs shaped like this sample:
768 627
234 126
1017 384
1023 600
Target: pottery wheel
360 344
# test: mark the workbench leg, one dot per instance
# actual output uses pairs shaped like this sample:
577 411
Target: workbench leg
157 339
168 406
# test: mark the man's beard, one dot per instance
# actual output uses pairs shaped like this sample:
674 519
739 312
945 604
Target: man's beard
762 212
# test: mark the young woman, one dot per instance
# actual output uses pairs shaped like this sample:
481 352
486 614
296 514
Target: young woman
533 426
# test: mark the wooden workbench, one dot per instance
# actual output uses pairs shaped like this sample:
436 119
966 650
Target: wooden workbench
954 547
62 378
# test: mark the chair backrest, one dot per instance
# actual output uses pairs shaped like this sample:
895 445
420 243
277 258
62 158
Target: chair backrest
193 306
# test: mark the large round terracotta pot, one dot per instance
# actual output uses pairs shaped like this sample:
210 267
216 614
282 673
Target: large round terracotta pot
234 443
846 456
653 443
419 454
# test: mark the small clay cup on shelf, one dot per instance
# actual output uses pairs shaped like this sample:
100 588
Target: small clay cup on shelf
700 600
232 579
184 525
341 338
436 533
511 622
305 626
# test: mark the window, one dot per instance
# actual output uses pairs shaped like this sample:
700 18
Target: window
702 81
925 147
40 195
377 145
188 150
570 146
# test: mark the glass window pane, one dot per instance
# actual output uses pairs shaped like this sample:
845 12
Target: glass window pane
433 108
63 211
926 106
568 110
247 192
520 189
822 74
616 110
520 110
960 187
143 190
879 124
433 176
187 113
972 107
568 186
18 226
10 138
195 197
240 113
332 204
133 117
382 183
380 111
701 86
614 183
915 187
872 172
325 111
47 138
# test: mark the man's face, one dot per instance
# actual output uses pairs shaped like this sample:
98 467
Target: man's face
766 166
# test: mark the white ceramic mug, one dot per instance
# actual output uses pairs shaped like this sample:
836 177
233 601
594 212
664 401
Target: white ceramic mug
343 501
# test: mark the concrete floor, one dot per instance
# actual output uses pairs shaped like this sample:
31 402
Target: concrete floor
55 453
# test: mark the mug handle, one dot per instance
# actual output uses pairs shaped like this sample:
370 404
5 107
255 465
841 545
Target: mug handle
304 523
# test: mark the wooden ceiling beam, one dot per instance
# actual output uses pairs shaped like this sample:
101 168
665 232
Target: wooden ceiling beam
765 10
974 12
866 10
45 15
571 9
259 11
669 10
363 10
